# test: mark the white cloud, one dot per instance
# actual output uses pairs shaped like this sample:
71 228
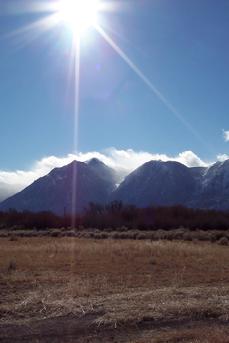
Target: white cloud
222 157
130 159
226 135
190 159
124 161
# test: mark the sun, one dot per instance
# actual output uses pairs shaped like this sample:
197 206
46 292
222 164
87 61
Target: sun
79 15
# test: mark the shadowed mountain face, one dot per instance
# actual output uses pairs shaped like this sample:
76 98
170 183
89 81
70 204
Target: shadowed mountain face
214 191
171 183
158 183
155 183
103 171
92 182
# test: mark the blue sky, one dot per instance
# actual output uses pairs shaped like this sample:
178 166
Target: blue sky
181 46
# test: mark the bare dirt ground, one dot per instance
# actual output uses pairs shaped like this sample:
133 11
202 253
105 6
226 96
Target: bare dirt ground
78 290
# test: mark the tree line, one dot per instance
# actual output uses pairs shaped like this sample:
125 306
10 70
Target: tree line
116 214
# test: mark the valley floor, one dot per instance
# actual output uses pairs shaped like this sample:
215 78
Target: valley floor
84 290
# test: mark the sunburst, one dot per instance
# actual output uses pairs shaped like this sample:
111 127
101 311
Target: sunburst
78 15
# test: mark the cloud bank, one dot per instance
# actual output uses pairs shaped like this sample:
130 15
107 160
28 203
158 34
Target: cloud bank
123 161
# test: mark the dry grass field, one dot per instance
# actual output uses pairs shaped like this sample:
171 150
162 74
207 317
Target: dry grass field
84 290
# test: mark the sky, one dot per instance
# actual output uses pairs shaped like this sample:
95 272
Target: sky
176 103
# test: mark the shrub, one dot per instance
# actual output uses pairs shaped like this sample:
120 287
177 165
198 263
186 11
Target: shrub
223 241
141 236
12 266
122 229
55 233
13 238
69 233
4 234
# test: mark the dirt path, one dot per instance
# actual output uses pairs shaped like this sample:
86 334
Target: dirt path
70 328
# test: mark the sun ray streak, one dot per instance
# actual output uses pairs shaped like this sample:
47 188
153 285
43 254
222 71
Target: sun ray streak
42 24
70 72
151 86
32 31
75 62
76 124
18 7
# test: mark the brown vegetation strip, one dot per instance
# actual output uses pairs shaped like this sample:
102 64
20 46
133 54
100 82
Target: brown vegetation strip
111 285
123 233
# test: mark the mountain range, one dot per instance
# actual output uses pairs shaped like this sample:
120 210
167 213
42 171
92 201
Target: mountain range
155 183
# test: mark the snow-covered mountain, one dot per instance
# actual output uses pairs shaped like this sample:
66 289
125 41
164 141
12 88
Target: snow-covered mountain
92 182
171 183
155 183
214 188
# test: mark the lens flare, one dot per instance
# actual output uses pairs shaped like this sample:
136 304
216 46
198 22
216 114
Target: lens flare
79 15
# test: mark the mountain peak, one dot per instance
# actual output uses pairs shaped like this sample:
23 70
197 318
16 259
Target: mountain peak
157 182
95 162
54 192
